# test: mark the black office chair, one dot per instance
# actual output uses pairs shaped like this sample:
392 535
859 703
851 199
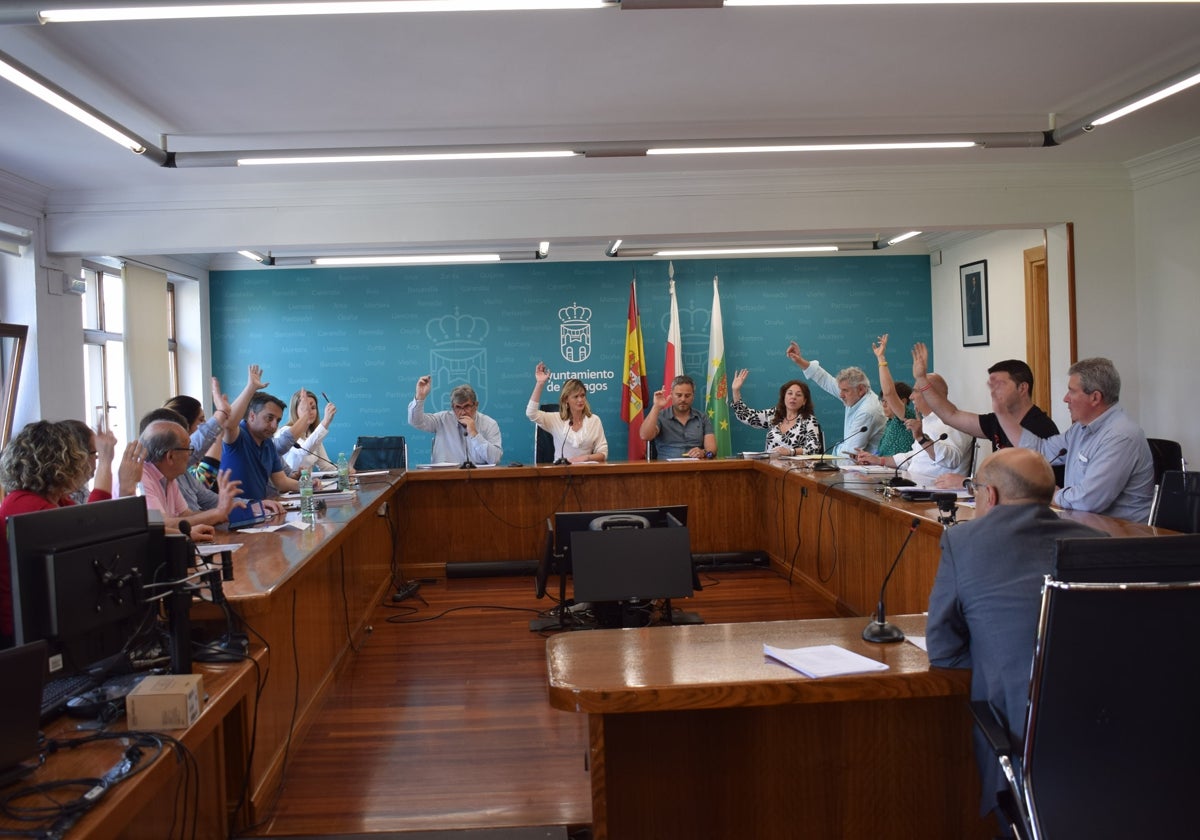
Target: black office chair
1167 455
1177 502
543 441
385 452
1111 731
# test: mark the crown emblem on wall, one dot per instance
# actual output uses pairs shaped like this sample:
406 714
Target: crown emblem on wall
574 314
456 328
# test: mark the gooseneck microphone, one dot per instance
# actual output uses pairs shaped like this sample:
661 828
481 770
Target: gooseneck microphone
314 454
825 466
881 630
562 458
1060 454
467 463
896 480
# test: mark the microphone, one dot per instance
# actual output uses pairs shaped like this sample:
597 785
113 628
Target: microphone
824 466
1060 454
466 464
881 630
314 454
896 480
561 459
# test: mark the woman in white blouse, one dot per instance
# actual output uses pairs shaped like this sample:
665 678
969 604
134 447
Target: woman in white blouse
578 434
309 452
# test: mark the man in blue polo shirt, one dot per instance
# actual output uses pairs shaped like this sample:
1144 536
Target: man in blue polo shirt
249 450
681 433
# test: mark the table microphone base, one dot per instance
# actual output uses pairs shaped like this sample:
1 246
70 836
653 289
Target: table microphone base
882 632
466 465
825 466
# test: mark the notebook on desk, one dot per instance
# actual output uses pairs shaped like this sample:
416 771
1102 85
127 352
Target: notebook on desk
22 670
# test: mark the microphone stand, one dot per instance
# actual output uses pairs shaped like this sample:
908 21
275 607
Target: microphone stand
232 646
561 459
881 630
467 463
825 466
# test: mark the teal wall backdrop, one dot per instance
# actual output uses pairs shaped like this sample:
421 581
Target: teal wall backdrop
364 336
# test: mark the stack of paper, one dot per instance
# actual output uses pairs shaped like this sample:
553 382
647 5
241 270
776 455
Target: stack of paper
824 660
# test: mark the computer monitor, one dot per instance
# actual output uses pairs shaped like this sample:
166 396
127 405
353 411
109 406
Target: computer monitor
78 578
568 523
1128 559
556 556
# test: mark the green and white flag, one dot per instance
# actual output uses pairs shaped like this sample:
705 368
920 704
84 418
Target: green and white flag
716 402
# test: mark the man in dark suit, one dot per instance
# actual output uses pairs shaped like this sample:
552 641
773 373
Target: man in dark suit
983 610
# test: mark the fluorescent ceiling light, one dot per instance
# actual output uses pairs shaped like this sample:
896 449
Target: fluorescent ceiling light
543 250
43 89
407 259
184 11
813 147
896 240
770 249
1150 99
401 158
254 255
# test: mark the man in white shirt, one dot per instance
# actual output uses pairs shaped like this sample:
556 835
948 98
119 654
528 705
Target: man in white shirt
938 449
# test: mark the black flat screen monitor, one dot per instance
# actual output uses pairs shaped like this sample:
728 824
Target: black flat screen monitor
632 564
556 549
1128 559
568 523
78 574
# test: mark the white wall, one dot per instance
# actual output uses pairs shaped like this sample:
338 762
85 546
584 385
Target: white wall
965 368
1167 241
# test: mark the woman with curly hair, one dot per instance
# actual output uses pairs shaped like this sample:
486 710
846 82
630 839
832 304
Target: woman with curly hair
792 428
39 469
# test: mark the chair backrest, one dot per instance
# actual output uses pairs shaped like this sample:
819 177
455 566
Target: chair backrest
543 441
1111 728
1177 502
384 452
1167 455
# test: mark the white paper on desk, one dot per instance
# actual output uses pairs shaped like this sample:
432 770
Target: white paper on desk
270 529
437 465
960 493
919 641
824 660
869 469
370 473
209 549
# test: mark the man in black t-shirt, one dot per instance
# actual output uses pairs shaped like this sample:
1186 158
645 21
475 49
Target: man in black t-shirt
1011 385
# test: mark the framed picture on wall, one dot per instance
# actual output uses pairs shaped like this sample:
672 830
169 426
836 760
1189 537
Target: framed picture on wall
973 285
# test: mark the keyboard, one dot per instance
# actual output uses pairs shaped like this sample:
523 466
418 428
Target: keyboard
59 690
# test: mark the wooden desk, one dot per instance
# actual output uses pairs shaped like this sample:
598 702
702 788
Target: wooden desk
832 530
309 595
693 733
149 803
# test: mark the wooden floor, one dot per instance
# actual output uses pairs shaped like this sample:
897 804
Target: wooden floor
441 720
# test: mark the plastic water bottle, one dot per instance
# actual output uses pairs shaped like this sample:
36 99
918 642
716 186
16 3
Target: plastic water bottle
308 511
343 468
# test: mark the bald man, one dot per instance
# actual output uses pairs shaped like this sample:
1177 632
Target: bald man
937 449
983 610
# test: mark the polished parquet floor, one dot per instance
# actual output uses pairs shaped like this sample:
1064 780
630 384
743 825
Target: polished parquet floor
440 720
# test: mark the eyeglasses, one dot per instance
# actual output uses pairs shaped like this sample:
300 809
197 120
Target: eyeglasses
973 487
458 409
183 449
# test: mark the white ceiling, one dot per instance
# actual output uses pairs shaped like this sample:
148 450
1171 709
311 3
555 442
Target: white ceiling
578 76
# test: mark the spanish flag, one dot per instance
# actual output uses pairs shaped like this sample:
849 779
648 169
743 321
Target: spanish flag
634 396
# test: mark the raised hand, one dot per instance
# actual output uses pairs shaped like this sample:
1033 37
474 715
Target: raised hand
660 398
228 490
254 380
129 473
330 410
424 386
541 373
920 354
306 412
739 379
880 347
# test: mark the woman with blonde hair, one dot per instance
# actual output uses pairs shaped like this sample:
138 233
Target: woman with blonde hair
39 469
578 434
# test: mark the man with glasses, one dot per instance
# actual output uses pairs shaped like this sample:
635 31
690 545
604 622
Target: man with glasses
461 435
983 610
167 451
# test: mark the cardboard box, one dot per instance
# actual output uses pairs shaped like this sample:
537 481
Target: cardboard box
164 701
